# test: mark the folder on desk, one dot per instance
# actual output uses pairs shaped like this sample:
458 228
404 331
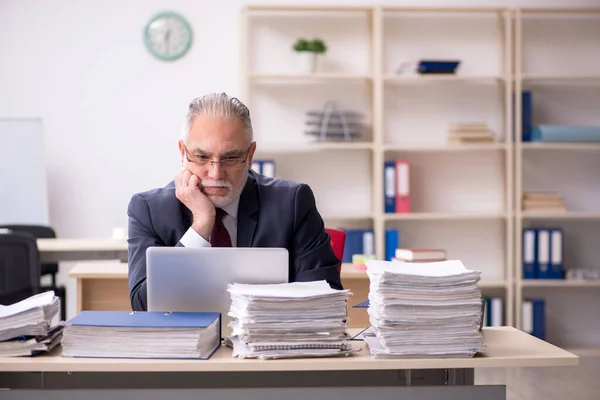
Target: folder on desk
144 334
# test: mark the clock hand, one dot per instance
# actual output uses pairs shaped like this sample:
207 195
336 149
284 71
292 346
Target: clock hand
167 39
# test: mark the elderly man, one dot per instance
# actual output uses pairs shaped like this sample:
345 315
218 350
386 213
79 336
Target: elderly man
217 200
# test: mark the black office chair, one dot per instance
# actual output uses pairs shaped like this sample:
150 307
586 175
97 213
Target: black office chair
19 267
45 232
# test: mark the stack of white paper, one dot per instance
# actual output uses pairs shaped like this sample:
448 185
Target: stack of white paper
424 310
25 327
299 319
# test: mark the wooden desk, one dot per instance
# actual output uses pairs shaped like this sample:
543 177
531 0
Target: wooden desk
55 250
418 378
104 286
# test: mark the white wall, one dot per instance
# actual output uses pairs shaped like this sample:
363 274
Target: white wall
111 112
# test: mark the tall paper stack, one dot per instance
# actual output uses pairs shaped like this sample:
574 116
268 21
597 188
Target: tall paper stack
26 327
470 133
543 201
425 311
290 320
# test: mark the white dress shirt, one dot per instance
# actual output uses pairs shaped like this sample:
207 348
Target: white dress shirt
192 239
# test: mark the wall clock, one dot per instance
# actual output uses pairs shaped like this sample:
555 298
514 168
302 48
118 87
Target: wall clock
168 36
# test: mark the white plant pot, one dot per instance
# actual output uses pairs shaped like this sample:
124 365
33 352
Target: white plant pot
307 62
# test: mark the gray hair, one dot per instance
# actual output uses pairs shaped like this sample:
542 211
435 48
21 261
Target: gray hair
217 104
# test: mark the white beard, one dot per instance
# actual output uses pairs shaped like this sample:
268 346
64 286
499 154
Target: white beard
235 191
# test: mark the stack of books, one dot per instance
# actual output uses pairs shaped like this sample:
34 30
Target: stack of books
146 334
290 320
419 255
543 202
470 134
26 327
417 312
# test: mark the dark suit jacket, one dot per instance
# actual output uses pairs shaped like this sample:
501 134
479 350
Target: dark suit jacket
271 213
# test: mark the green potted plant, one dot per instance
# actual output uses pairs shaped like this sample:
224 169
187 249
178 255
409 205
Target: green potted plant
309 50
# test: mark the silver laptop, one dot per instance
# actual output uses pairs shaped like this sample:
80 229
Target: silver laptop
186 279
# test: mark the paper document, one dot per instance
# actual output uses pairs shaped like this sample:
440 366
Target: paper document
424 309
291 320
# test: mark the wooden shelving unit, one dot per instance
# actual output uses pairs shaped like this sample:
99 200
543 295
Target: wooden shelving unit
361 72
553 76
375 81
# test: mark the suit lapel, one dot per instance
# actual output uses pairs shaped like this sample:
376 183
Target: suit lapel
247 213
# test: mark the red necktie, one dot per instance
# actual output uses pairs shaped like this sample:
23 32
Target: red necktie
219 236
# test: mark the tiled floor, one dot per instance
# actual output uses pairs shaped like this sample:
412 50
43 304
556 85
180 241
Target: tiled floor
557 383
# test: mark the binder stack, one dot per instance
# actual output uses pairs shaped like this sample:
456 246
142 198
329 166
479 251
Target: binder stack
290 320
147 334
26 327
424 312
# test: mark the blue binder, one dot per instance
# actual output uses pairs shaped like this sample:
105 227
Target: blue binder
144 319
389 186
543 254
526 120
356 239
539 318
149 319
555 270
529 253
392 242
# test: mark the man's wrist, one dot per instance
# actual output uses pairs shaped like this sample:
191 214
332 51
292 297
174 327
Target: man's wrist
202 230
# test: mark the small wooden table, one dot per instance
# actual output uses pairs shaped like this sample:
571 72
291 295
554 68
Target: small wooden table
62 249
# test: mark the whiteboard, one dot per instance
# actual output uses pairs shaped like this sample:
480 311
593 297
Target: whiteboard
23 182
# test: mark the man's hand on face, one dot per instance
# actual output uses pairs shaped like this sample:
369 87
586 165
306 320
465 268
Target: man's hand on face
187 190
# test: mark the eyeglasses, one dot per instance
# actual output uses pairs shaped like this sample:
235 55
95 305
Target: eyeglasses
233 162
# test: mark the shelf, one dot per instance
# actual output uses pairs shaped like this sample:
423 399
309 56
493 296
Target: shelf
431 78
560 78
558 10
304 78
492 284
568 215
446 148
432 216
560 146
307 8
347 217
294 148
559 283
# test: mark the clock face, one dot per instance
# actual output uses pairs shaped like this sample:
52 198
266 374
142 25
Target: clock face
168 36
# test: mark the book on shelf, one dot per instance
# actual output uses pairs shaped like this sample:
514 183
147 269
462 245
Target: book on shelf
473 133
416 255
542 255
543 202
397 186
